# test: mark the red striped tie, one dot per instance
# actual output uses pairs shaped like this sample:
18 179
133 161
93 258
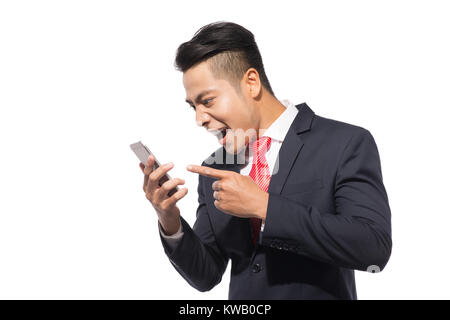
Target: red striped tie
260 173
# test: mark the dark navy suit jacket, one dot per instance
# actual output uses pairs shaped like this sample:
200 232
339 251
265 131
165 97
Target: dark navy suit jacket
328 215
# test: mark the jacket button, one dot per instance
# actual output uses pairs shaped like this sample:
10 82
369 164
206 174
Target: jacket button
256 268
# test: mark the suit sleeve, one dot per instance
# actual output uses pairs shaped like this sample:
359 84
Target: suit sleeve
172 240
358 234
196 256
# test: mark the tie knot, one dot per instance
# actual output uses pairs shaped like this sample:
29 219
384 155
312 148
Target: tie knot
261 145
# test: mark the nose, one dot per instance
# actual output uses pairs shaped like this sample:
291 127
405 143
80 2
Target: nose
201 118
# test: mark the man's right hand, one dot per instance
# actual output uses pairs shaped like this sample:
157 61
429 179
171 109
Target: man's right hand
165 206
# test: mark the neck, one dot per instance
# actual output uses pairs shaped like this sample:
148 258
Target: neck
269 111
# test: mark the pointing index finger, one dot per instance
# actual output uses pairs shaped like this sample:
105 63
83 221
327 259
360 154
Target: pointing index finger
207 171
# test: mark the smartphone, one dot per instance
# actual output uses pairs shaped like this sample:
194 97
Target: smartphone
143 152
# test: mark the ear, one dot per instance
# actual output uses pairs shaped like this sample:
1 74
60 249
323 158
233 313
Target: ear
252 83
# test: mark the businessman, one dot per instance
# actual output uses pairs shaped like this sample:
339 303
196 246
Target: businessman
296 201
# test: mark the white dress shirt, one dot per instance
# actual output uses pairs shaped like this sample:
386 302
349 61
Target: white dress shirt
277 132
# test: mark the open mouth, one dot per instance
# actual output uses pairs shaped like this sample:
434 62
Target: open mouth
220 134
223 132
223 138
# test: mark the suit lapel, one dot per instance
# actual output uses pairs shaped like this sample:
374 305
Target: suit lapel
290 148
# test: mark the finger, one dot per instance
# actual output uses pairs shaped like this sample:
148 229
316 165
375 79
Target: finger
216 195
176 196
208 172
167 186
156 175
149 164
148 168
216 186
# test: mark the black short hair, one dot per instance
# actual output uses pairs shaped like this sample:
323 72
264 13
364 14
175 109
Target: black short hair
230 50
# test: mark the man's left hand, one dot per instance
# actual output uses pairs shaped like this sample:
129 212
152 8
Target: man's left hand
234 193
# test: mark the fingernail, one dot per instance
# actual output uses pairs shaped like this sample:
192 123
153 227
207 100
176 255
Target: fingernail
189 167
170 164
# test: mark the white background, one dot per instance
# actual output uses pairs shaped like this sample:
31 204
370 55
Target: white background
81 80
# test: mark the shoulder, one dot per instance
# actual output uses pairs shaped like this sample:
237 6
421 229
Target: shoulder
338 132
335 126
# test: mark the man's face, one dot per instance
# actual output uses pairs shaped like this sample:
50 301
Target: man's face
221 109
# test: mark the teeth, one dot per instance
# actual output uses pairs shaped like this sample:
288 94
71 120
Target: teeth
220 133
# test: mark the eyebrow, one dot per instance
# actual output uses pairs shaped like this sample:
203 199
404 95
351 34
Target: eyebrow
199 97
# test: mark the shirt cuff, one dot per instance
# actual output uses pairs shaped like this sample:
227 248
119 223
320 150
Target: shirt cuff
174 239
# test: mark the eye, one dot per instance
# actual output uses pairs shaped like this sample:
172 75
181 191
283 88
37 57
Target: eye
206 101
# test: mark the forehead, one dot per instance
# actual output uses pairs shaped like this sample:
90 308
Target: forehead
198 77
